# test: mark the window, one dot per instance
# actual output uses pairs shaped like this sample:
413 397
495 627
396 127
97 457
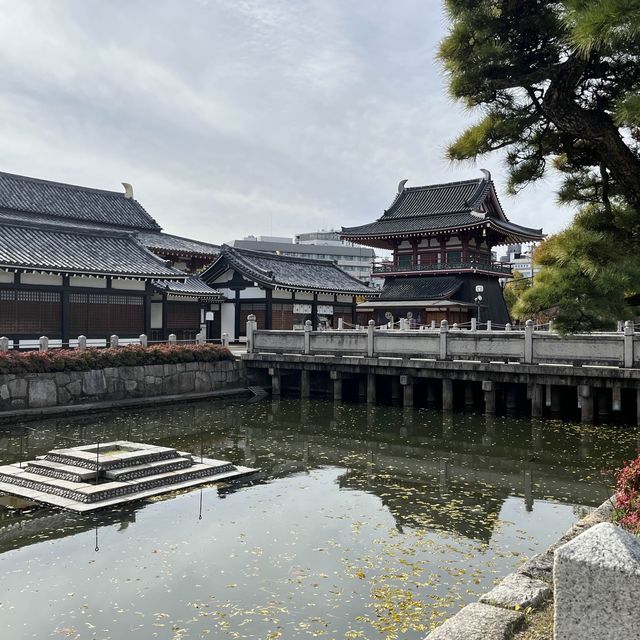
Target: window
404 261
30 312
454 257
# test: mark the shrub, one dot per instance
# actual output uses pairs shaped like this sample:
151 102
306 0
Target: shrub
626 501
96 358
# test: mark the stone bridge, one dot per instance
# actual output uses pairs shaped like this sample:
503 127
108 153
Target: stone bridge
587 376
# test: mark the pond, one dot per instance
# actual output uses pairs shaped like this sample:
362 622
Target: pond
366 522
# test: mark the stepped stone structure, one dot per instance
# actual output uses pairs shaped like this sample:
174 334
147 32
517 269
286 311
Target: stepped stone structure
100 475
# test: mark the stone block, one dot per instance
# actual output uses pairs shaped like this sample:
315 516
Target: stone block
596 585
74 388
94 383
17 388
518 591
62 378
43 392
202 382
4 392
130 385
479 621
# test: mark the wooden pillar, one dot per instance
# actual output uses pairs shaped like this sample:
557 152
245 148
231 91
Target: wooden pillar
268 318
65 332
147 309
537 396
165 317
236 328
362 388
371 388
354 316
489 397
447 394
586 403
276 382
314 312
407 390
305 383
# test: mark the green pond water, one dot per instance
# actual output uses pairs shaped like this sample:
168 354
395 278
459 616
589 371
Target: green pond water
365 522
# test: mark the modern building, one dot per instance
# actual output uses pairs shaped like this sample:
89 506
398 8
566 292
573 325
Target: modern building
521 260
81 261
357 261
441 237
283 292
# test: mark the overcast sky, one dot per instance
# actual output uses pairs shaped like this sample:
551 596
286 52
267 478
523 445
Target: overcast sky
237 117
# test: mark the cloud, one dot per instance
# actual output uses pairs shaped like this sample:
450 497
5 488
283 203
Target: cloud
236 117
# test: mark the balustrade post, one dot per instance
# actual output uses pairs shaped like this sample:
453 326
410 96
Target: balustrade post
225 339
370 337
114 341
251 326
444 329
629 332
307 337
433 324
43 343
4 344
488 325
340 324
144 340
528 342
82 343
173 339
507 327
474 324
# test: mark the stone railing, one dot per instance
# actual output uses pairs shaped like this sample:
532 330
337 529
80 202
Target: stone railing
620 349
82 342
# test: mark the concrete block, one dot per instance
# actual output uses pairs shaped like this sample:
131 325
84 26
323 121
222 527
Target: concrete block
17 388
94 383
42 392
4 392
479 621
518 591
596 585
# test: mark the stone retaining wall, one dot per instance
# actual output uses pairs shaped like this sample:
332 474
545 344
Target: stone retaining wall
41 390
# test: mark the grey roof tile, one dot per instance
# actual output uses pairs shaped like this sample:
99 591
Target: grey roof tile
177 244
72 202
193 286
439 207
286 271
64 250
421 288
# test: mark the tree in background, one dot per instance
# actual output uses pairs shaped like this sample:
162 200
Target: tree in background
558 84
514 289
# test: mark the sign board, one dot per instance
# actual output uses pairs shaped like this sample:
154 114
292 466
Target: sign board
479 288
302 309
209 316
325 310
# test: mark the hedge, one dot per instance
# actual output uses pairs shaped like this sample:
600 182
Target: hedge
96 358
626 501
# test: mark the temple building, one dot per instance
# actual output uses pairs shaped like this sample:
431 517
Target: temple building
441 237
283 292
81 261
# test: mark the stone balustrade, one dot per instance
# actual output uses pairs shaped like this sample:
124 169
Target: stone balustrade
620 349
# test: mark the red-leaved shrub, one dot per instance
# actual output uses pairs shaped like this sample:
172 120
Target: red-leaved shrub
95 358
627 497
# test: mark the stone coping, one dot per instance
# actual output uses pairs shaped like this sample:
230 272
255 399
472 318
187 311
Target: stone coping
500 612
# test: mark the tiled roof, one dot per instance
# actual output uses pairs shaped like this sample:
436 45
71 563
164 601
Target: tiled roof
193 286
420 288
61 249
176 244
441 207
72 202
286 271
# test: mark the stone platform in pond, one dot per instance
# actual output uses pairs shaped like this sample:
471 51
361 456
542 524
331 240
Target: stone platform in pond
96 476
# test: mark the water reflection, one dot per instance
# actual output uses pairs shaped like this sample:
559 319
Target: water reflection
428 506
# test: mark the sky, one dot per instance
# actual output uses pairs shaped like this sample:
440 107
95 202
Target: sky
238 117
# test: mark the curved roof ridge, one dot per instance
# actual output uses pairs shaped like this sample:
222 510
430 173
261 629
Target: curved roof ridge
65 185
